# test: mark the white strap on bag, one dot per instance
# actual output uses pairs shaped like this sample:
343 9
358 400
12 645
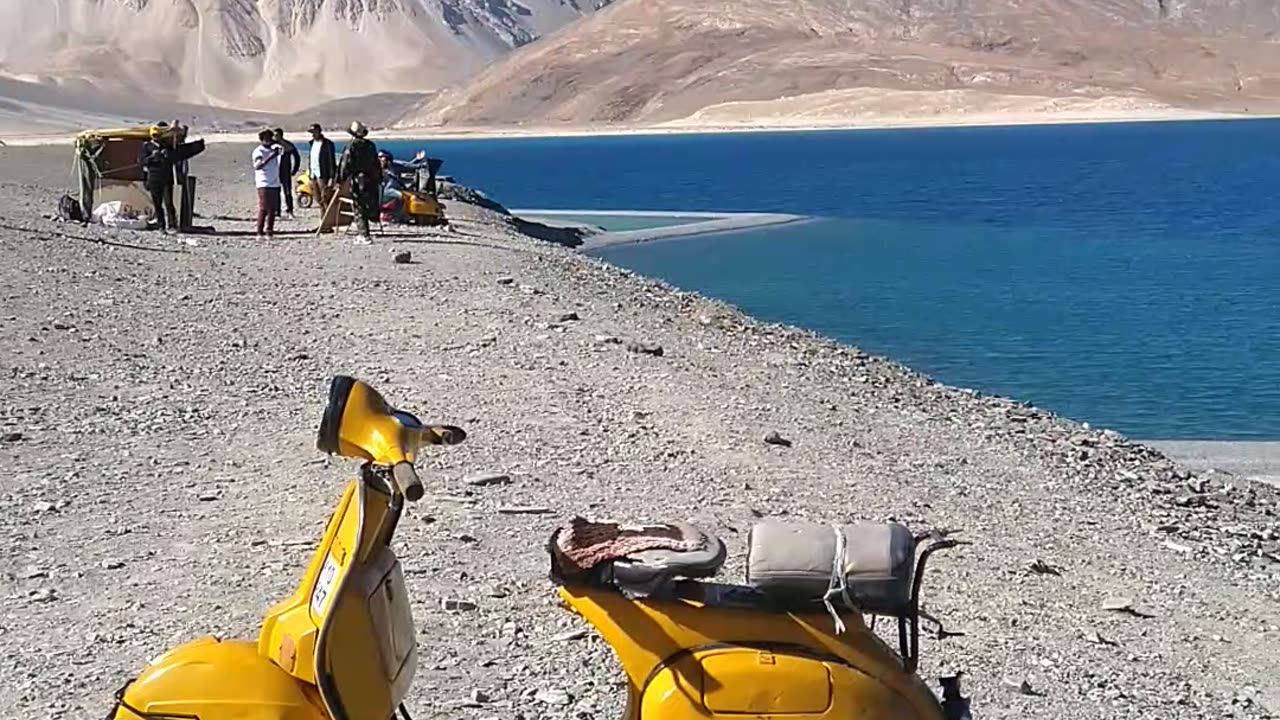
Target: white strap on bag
838 589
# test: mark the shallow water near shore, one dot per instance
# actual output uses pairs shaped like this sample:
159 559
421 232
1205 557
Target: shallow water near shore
1124 275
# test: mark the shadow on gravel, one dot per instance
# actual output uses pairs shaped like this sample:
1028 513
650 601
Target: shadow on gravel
254 233
419 240
85 238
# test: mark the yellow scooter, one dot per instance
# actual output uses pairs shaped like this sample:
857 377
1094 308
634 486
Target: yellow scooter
790 643
343 646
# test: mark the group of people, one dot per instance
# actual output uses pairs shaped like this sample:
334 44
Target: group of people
275 163
374 176
368 170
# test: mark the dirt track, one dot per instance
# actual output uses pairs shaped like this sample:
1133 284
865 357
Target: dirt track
160 479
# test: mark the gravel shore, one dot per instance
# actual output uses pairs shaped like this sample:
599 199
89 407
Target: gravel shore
160 479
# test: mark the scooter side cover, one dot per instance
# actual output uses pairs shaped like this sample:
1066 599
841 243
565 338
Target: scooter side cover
290 628
685 661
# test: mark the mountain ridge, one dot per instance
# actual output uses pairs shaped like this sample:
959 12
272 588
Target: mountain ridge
1208 55
265 55
554 64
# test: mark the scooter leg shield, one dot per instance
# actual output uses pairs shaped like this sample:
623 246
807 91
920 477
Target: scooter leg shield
212 679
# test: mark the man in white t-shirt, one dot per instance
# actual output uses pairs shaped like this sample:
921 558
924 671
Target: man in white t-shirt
266 177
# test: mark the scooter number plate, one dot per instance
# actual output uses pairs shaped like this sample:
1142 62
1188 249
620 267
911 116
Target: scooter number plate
324 585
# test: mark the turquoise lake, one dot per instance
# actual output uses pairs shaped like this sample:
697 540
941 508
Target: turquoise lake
1125 275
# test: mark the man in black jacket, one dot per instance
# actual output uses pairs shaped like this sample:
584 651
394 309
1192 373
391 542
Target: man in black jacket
157 176
359 166
290 163
322 168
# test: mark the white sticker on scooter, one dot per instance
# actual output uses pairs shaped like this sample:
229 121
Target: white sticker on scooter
324 585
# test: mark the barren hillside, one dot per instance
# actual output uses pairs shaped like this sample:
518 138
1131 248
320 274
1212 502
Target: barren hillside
278 55
664 60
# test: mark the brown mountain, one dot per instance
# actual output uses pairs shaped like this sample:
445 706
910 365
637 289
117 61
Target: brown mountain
818 61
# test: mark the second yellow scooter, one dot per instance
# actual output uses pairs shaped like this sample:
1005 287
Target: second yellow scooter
790 642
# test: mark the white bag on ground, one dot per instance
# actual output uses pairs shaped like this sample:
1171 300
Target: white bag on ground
116 214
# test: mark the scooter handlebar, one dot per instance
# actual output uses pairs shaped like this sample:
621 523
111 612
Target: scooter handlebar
406 478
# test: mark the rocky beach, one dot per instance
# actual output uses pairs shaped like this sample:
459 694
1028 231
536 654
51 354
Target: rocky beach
161 482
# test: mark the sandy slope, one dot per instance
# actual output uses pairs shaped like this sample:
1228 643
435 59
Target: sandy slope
158 477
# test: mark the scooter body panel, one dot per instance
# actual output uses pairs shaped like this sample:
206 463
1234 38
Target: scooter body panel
686 660
218 680
292 626
348 628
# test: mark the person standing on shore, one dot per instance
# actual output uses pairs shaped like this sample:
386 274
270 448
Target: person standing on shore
359 166
290 163
157 168
323 167
266 178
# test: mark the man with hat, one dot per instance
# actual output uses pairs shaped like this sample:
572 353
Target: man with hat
157 163
323 167
359 166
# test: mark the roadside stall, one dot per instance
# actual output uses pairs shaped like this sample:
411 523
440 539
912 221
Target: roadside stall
106 164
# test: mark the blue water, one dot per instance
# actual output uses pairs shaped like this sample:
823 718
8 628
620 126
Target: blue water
1126 275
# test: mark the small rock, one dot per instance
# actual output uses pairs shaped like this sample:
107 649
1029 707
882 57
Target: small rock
1093 637
479 696
567 317
1123 605
571 635
523 510
43 507
1177 547
553 696
402 258
11 437
487 480
451 605
1041 567
34 574
466 538
1019 685
43 595
112 564
207 497
773 438
1117 604
644 348
457 499
497 591
608 340
506 280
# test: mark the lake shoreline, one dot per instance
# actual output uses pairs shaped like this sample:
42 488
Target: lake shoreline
702 223
958 120
1257 460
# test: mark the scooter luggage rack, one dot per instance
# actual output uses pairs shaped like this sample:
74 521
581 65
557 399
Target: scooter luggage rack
699 587
909 625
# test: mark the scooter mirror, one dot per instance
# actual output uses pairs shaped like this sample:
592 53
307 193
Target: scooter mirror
359 423
407 419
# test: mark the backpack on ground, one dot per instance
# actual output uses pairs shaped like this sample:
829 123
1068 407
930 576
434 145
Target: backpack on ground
69 210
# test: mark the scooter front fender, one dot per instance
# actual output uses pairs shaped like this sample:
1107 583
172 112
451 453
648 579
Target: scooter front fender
214 679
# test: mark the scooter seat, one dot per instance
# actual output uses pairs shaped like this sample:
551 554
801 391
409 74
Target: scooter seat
795 562
639 560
